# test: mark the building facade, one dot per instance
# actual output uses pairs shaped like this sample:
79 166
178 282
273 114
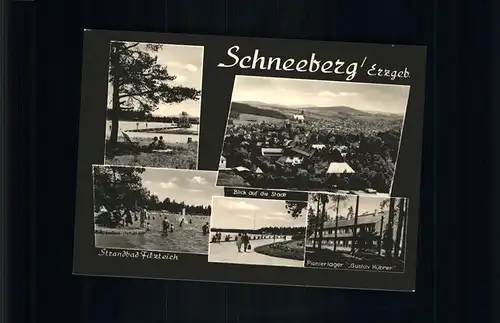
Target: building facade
369 232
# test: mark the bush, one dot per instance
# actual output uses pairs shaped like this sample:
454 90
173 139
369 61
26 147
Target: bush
106 219
288 250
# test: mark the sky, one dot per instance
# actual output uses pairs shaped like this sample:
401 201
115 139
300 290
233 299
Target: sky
191 186
299 92
186 62
366 204
242 213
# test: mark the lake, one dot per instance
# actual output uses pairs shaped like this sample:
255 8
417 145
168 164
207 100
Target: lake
189 238
167 137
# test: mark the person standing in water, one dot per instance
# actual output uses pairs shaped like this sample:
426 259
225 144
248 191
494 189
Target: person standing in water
142 217
204 229
166 226
182 222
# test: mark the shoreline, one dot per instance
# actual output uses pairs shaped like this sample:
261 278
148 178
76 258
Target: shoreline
171 131
118 231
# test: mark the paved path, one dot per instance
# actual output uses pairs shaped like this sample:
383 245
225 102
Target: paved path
227 252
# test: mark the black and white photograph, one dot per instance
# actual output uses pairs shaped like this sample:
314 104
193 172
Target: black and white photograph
313 135
154 105
211 153
257 232
153 209
356 232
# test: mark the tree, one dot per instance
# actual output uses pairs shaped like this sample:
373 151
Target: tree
153 202
337 199
404 220
365 240
315 198
312 220
350 212
183 121
139 82
117 188
399 227
324 216
294 208
355 227
388 238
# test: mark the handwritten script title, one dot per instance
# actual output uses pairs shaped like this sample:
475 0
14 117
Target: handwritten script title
311 65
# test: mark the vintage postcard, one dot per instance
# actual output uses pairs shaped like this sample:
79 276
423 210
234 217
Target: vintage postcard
248 160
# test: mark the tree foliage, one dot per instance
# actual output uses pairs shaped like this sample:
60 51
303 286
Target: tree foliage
140 82
118 187
337 201
393 239
295 208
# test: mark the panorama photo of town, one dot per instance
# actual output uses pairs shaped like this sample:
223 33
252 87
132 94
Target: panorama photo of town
312 135
154 105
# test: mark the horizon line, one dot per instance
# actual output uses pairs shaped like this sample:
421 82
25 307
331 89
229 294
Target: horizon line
302 227
317 106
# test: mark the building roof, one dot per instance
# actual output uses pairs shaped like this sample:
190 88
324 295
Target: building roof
290 160
282 160
348 223
259 171
362 219
365 219
307 152
270 151
340 168
242 169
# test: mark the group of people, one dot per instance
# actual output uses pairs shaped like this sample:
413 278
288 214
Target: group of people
217 237
118 216
158 143
125 218
167 226
243 240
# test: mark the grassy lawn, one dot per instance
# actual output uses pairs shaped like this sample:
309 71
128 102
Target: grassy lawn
183 156
285 249
229 178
